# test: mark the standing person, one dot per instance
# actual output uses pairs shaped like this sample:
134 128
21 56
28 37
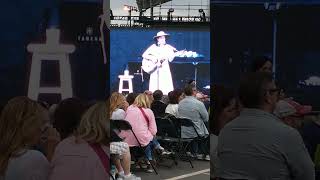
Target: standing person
156 62
256 144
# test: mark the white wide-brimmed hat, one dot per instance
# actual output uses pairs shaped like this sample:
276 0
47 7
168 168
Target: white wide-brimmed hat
161 33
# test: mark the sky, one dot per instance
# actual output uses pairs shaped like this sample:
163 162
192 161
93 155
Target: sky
117 7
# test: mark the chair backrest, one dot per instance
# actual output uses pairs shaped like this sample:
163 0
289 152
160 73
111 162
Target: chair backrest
120 125
123 125
317 157
185 122
166 128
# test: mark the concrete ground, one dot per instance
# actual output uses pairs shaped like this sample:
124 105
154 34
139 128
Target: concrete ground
183 170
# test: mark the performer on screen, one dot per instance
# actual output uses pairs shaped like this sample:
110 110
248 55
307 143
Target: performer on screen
156 62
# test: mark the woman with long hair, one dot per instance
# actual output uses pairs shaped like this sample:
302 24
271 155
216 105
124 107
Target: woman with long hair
21 127
118 106
84 155
143 123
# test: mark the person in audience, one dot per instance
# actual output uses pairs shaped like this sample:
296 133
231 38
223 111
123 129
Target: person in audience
311 136
182 96
150 95
118 106
130 98
48 138
120 150
193 109
68 116
256 144
157 106
226 108
262 64
143 123
291 113
172 107
76 156
165 99
21 127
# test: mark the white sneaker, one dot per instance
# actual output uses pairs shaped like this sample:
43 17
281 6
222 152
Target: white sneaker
200 156
162 151
131 177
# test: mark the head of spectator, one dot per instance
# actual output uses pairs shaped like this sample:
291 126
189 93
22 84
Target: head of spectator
142 101
157 95
150 95
131 97
262 64
258 91
182 96
174 96
226 108
190 90
21 125
192 82
165 99
94 126
291 112
117 101
68 115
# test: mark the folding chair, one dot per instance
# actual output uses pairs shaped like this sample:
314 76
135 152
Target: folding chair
169 130
185 122
125 125
168 135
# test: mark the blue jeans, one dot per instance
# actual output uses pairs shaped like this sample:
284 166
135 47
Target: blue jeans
154 144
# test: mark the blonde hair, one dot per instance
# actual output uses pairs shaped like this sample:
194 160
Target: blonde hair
116 100
19 118
94 126
143 101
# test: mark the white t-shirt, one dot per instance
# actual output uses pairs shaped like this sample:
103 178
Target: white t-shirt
32 165
172 109
118 114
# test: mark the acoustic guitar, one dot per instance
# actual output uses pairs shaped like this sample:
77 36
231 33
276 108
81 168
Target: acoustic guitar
151 65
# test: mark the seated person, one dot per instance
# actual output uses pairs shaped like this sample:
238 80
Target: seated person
158 106
120 150
172 107
143 123
191 108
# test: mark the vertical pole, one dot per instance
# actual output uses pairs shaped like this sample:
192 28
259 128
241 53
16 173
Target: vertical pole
130 16
151 12
274 53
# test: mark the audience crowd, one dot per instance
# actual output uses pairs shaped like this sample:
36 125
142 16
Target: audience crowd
76 140
257 132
